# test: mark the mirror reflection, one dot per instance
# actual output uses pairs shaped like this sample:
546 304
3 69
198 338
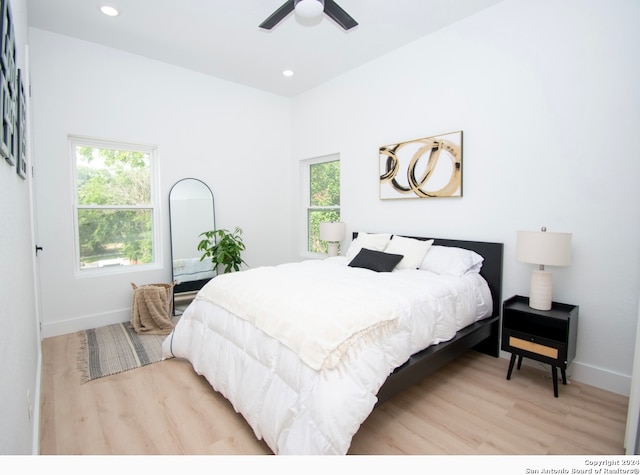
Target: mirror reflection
191 212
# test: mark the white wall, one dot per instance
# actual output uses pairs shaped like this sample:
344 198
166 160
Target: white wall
546 94
234 138
19 336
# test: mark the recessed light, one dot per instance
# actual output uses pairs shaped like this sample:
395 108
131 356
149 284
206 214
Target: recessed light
287 72
109 10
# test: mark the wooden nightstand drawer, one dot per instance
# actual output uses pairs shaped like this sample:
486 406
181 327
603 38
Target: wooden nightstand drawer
533 347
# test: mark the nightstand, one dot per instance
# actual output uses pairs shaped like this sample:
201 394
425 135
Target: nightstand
547 336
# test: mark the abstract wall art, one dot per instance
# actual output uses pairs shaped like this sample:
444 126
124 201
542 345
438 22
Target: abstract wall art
429 167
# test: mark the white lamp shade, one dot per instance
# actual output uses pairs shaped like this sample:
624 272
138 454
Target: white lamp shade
309 8
544 248
332 232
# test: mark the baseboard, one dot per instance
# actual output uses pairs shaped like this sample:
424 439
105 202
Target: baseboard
587 374
601 378
85 323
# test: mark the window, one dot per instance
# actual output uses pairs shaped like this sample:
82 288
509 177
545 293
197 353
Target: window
322 198
115 209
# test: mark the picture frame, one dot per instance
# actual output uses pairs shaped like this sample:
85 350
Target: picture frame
7 121
21 129
8 78
429 167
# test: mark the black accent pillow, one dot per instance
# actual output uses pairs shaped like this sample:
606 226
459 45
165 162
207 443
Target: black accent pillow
375 260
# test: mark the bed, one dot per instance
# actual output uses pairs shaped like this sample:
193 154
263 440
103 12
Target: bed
305 351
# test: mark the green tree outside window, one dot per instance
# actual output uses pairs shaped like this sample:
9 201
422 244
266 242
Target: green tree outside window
324 197
114 206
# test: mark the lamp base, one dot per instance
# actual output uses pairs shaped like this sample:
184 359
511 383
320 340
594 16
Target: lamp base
540 290
332 248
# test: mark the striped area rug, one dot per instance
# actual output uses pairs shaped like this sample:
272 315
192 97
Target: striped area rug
116 348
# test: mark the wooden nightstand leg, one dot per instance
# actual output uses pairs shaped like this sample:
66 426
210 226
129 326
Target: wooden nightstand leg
511 363
554 375
564 375
519 361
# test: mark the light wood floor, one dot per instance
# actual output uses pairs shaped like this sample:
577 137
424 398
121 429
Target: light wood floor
468 407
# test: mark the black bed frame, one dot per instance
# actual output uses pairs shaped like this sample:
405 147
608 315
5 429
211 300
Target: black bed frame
483 336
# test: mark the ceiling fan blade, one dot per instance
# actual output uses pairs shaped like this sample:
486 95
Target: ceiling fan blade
337 14
277 16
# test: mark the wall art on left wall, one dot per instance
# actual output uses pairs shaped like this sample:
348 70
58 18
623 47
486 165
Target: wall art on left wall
8 85
21 130
429 167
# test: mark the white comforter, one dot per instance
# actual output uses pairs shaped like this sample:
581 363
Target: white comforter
300 410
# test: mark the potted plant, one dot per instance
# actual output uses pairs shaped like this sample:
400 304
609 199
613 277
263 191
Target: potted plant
223 248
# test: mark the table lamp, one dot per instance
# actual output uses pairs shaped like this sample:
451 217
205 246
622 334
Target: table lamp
545 249
333 233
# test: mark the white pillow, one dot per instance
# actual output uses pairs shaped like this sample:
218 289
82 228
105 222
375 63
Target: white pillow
413 250
375 242
452 261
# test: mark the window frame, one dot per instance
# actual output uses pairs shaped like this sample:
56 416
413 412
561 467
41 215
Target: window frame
152 150
305 180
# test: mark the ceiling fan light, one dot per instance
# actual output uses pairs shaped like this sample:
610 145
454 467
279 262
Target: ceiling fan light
309 8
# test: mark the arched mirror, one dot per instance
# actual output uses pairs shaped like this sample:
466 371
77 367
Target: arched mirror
191 212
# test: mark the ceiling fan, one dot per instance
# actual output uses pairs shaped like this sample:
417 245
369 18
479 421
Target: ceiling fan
310 9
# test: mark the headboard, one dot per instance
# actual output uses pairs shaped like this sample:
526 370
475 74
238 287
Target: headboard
491 266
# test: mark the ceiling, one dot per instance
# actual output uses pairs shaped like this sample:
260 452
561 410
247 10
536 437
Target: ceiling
221 37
